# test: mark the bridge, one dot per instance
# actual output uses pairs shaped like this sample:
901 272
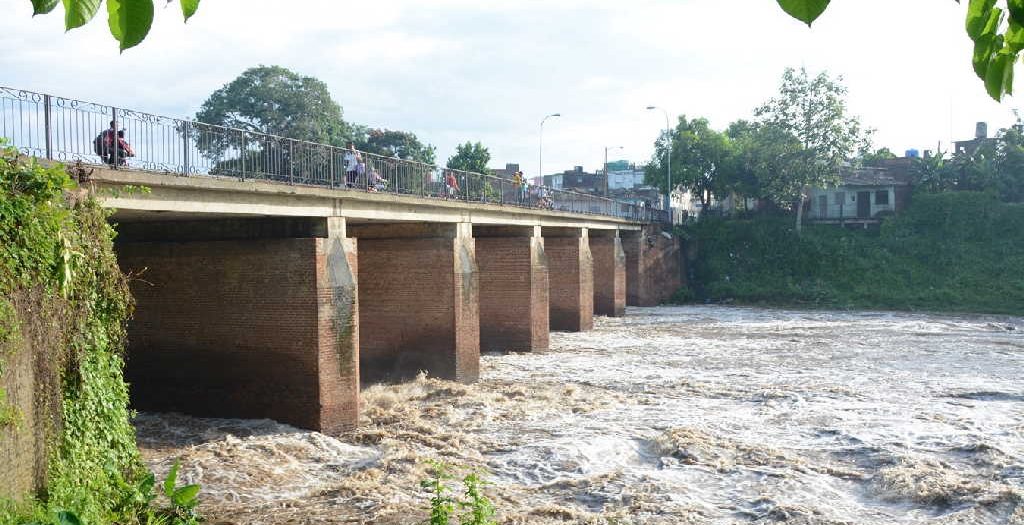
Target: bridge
272 282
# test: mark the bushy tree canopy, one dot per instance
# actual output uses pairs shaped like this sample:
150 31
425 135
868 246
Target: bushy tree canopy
700 159
472 157
392 143
278 101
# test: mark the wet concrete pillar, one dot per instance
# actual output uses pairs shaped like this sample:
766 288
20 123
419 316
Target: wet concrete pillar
418 301
253 318
514 307
571 279
609 273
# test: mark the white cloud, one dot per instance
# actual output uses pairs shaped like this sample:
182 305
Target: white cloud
457 70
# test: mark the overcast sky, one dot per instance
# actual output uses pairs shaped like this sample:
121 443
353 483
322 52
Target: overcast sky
458 70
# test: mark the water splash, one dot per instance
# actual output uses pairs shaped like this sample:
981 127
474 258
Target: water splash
671 415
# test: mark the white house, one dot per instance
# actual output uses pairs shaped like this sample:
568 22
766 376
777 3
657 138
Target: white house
865 194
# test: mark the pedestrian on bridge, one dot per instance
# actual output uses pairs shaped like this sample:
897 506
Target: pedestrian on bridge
352 159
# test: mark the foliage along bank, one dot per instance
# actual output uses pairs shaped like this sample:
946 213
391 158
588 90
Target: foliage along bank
65 302
960 251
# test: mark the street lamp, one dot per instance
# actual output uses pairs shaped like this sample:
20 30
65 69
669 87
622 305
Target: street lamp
668 135
606 148
540 161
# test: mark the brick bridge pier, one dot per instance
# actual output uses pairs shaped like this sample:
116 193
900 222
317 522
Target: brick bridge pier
262 300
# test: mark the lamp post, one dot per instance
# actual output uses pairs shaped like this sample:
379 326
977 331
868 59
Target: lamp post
606 148
540 161
668 135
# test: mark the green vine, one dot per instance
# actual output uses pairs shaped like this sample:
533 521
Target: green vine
59 253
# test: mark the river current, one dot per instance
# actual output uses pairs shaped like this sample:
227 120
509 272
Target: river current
671 415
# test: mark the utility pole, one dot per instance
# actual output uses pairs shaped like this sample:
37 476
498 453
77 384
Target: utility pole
668 136
540 160
606 148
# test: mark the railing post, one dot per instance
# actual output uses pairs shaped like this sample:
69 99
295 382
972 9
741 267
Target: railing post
241 153
291 162
184 147
330 164
113 141
48 127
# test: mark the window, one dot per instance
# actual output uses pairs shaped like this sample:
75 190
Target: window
882 197
840 198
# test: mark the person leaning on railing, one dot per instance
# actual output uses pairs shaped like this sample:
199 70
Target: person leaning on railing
105 143
352 159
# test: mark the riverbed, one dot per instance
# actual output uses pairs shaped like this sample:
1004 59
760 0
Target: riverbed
671 415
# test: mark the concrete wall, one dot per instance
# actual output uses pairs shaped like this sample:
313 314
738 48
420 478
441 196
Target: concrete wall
23 444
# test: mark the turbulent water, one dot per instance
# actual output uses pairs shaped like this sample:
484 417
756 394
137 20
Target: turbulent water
670 415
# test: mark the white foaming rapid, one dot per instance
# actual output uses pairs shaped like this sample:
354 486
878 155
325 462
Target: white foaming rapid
670 415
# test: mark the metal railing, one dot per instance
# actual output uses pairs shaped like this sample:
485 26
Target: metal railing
68 130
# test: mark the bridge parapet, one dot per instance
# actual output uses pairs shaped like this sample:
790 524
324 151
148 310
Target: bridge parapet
64 129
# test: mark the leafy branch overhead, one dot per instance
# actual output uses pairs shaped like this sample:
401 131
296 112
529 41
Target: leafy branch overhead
129 20
997 33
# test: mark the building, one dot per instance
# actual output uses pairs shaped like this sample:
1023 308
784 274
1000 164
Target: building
576 180
864 195
622 175
968 147
507 172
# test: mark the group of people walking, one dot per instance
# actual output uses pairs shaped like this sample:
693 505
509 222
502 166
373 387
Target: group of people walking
113 149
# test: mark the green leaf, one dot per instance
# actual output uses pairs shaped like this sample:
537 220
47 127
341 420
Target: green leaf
41 7
1015 36
977 16
171 479
995 18
66 517
77 13
188 8
1016 8
185 496
999 77
807 11
129 20
981 56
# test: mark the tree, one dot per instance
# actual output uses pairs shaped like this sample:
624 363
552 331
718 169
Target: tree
391 143
814 111
998 39
871 157
471 157
770 162
129 20
277 101
700 157
1009 161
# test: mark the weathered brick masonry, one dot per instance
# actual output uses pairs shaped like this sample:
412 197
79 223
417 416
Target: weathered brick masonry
419 301
245 327
653 271
571 279
609 274
513 288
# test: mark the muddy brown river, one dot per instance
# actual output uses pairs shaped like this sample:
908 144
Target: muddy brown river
674 415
